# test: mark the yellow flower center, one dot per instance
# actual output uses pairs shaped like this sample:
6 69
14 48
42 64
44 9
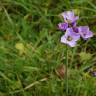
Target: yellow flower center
69 38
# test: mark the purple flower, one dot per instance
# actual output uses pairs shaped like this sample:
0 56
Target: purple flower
69 17
85 32
73 32
70 37
69 20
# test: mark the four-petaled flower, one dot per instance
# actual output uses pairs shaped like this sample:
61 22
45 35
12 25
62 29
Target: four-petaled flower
69 17
69 20
70 37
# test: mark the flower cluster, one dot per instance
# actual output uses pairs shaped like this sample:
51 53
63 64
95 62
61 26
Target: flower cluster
73 32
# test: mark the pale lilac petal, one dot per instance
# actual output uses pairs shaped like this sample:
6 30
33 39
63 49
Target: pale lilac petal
74 35
76 18
85 32
63 26
72 17
83 28
89 34
72 43
68 31
69 16
64 15
63 39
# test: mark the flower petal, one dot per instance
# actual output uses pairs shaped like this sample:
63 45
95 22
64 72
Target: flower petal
72 43
89 34
71 32
63 39
63 26
69 16
85 32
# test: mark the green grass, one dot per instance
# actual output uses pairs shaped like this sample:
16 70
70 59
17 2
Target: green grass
31 52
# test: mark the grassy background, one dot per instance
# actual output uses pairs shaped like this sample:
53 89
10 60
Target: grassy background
31 53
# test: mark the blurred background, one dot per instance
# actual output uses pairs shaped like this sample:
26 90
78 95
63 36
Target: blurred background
32 58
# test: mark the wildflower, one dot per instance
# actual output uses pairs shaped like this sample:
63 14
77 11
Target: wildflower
70 37
73 32
69 17
85 32
69 20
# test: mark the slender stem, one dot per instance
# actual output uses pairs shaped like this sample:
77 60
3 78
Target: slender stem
66 70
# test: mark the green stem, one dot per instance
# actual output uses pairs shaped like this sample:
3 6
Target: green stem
66 70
